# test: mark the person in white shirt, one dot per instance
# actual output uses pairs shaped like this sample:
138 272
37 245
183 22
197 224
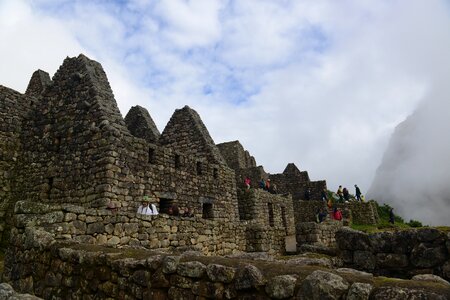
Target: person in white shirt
144 209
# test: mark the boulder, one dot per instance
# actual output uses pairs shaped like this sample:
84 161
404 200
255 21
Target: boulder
364 260
359 291
219 273
281 287
248 277
392 260
399 293
8 293
431 278
426 256
170 264
193 269
309 261
350 239
323 285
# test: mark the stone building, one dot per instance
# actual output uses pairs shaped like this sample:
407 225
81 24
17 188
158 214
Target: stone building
71 163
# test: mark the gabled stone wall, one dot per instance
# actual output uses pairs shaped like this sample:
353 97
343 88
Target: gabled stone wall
13 109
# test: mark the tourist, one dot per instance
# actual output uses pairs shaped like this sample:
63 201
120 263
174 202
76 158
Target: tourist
173 210
337 214
153 205
188 213
324 195
274 189
391 216
321 215
346 194
262 184
307 194
340 193
143 209
267 184
247 182
357 193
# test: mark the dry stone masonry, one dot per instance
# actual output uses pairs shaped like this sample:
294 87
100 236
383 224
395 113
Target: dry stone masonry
73 170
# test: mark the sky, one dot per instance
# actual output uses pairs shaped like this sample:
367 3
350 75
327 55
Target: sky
321 84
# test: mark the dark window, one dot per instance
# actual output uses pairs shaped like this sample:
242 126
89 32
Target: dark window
49 186
164 205
207 211
270 207
199 168
57 143
215 173
151 155
177 161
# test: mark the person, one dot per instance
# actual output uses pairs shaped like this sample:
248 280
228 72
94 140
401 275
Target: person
274 189
268 184
357 193
262 184
337 214
153 206
143 209
173 210
391 216
307 194
340 193
324 195
321 215
247 182
363 199
346 194
188 213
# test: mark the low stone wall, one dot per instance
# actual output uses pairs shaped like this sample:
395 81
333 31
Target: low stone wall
39 265
318 234
119 229
400 254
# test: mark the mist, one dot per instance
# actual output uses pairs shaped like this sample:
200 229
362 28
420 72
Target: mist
414 176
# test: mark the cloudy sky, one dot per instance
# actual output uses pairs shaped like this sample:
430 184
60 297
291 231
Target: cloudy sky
318 83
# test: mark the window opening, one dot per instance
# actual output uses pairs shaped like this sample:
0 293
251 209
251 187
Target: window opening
151 155
177 161
207 211
270 207
164 205
199 168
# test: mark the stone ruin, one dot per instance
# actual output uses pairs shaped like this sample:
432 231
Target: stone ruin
73 172
71 163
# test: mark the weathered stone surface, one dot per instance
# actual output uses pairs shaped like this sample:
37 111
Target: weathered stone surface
248 277
364 260
170 264
178 293
428 256
392 260
398 293
192 269
8 293
323 285
431 278
310 261
359 291
350 239
210 290
219 273
355 273
281 287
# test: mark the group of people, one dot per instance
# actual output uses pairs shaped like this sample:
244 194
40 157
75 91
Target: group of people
344 194
264 184
336 214
150 209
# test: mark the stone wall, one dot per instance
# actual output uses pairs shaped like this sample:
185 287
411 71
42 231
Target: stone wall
361 213
295 182
400 253
141 124
13 108
318 234
236 156
54 270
